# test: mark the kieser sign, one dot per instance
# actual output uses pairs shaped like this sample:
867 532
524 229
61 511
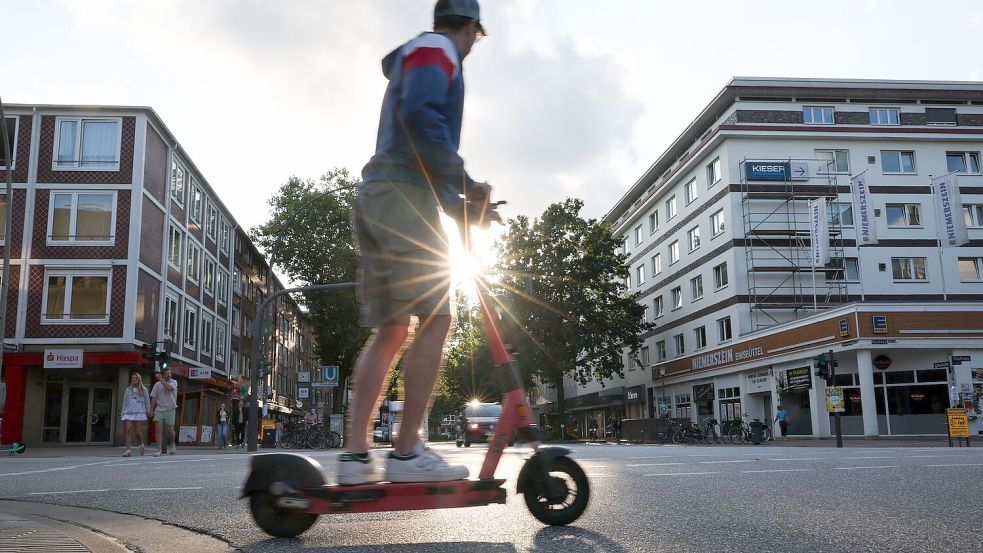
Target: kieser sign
724 356
63 359
776 170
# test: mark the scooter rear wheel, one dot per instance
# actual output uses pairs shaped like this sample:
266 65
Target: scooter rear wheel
277 522
567 497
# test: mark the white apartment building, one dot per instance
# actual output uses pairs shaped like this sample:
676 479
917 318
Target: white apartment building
718 236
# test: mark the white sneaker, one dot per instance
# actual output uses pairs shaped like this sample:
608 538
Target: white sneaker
422 465
353 469
172 450
157 453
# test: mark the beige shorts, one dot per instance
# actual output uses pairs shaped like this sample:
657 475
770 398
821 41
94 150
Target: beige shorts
403 254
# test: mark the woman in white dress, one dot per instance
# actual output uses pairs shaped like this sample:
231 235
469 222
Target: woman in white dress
136 408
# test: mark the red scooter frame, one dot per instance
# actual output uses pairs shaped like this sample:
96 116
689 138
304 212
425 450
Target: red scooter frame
288 492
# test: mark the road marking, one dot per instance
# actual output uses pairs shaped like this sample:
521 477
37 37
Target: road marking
852 458
57 469
958 465
67 491
802 459
160 489
731 461
679 473
871 467
774 470
653 457
653 464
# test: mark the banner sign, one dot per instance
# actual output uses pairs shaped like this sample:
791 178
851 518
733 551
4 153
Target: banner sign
776 170
819 231
949 212
199 372
303 393
795 379
834 399
866 231
958 422
63 359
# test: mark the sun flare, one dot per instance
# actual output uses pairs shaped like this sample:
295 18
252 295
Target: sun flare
466 266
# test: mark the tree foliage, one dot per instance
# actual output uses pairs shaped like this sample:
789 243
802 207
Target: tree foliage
564 292
309 236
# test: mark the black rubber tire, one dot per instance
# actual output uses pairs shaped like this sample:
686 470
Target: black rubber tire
540 506
277 522
335 440
318 441
459 444
467 444
736 435
677 437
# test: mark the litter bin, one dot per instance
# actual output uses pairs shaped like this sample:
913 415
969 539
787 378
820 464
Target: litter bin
757 432
269 437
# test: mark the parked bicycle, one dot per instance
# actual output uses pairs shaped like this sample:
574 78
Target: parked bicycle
740 433
298 434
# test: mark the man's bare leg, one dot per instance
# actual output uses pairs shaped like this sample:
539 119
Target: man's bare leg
421 364
370 375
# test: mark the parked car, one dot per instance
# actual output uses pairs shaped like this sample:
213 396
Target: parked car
479 422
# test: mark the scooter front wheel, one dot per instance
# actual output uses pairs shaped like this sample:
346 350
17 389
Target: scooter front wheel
565 496
277 522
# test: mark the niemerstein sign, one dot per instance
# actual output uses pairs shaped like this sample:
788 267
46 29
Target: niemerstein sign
724 357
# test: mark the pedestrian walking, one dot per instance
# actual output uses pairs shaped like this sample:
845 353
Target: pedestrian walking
279 431
243 417
163 403
616 426
222 427
781 417
136 411
403 250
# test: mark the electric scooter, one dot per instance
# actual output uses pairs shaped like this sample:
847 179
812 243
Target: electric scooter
287 492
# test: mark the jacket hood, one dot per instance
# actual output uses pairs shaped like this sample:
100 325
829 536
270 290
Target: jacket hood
389 61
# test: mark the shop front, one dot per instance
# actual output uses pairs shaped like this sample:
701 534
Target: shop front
591 414
200 394
634 402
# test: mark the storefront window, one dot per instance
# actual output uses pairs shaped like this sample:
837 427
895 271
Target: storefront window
52 412
900 377
852 402
844 380
932 375
917 400
189 415
878 378
683 404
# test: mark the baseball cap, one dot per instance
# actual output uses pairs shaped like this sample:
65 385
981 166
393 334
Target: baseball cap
463 8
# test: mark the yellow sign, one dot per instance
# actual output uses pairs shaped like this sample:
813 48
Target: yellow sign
267 423
958 422
834 399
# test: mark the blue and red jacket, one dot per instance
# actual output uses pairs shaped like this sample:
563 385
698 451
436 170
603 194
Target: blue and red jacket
420 125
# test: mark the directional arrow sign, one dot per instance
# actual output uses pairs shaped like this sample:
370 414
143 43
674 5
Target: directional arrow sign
800 170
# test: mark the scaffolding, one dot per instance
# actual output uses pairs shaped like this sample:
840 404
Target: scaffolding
782 283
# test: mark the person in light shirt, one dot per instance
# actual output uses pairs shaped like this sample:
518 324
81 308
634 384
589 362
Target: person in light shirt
163 403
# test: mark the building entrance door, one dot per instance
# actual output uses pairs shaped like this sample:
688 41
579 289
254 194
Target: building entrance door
88 415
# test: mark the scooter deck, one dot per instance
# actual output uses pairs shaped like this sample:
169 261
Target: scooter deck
395 496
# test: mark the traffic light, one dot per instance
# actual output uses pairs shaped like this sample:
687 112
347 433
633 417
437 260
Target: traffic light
163 359
149 355
823 367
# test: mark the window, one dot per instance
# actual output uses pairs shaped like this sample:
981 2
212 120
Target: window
644 356
973 214
653 221
3 216
194 262
81 218
76 295
658 307
700 335
207 334
694 238
670 208
677 297
940 116
628 281
87 144
723 330
196 202
209 276
220 332
909 268
12 123
720 276
714 173
656 264
897 162
638 235
970 269
903 215
963 162
224 238
190 326
222 287
696 287
680 341
624 245
170 317
174 239
884 116
237 279
837 161
212 221
674 252
840 214
178 176
645 314
690 190
640 274
850 266
660 350
683 406
235 320
717 223
817 115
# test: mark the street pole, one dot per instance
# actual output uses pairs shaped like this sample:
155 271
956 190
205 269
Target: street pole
252 425
8 214
836 415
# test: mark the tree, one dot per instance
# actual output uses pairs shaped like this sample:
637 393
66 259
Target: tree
309 234
564 293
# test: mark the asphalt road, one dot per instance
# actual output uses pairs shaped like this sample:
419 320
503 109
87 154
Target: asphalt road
644 498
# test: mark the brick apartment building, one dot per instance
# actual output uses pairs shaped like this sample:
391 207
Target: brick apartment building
119 242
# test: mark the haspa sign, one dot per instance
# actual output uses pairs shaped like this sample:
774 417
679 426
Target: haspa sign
63 359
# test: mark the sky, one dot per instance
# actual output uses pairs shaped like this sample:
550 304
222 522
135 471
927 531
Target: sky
565 98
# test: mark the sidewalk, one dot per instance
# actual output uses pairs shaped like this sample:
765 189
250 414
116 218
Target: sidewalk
22 534
117 451
848 441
